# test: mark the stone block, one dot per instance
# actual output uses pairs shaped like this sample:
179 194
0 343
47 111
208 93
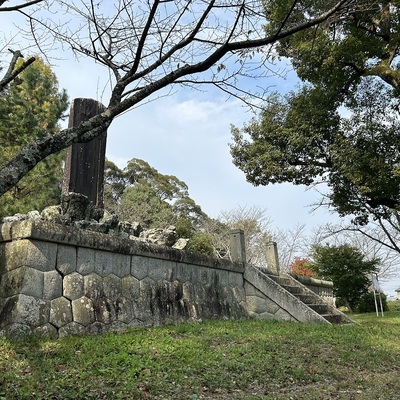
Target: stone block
251 290
83 311
60 312
137 323
16 330
223 277
103 262
46 330
257 305
29 253
73 286
22 280
124 310
21 229
121 265
187 291
66 259
194 273
104 310
85 260
140 267
53 285
97 328
25 310
42 255
182 272
205 275
73 328
130 287
200 292
235 279
160 270
145 304
228 294
93 286
239 294
282 315
112 287
5 232
145 284
118 326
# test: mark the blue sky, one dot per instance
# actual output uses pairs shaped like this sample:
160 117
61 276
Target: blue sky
186 134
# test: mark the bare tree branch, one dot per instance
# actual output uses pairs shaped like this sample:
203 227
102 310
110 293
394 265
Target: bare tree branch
18 6
13 72
151 49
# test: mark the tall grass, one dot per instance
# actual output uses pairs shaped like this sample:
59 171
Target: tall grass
247 359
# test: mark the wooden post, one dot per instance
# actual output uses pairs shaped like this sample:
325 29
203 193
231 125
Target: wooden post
84 162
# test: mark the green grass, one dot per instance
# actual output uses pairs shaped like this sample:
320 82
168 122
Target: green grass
211 360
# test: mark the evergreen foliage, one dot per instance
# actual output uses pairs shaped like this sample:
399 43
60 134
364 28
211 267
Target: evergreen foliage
139 193
30 108
367 304
346 267
342 126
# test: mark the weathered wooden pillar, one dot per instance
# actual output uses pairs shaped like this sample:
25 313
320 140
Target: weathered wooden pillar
84 162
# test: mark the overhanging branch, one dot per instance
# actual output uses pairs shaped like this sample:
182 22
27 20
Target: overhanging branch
13 72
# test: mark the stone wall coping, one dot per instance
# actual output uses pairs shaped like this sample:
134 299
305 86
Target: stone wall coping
312 281
61 234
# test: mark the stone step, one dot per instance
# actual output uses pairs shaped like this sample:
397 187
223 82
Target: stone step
334 318
293 289
306 298
321 308
281 280
309 299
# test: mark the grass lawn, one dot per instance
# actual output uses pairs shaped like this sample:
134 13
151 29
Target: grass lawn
212 360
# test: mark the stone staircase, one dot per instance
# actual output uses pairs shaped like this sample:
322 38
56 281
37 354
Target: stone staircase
330 313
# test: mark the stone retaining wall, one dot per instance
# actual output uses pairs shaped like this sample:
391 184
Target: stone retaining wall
60 281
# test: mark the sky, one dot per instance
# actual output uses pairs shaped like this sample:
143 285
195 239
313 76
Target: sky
187 134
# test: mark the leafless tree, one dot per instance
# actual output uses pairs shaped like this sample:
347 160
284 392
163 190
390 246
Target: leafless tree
291 243
256 225
150 46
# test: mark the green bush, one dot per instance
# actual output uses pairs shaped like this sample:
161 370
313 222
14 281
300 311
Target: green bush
394 305
201 243
366 303
184 228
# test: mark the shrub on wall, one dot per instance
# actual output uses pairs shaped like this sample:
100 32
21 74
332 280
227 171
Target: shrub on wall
201 243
